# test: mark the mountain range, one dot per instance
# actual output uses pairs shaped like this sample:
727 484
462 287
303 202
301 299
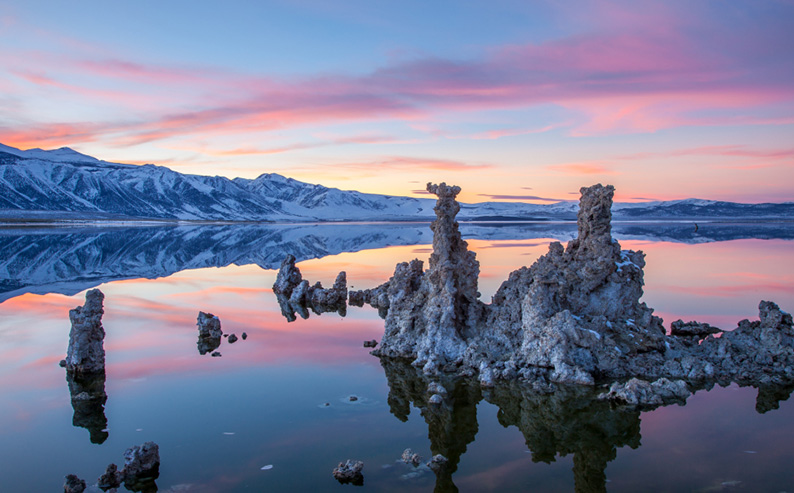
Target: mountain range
63 184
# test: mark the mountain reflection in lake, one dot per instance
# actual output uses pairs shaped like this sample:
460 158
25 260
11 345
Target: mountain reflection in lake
219 421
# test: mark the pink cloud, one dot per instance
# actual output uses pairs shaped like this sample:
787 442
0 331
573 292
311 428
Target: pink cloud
355 139
146 73
512 132
616 78
411 163
583 168
518 197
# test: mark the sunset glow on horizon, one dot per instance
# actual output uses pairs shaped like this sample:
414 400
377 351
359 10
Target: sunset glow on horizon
509 100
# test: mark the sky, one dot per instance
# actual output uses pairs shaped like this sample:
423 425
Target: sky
511 100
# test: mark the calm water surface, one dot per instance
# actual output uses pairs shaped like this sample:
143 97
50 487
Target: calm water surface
219 421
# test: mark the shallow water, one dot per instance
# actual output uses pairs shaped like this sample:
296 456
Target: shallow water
219 421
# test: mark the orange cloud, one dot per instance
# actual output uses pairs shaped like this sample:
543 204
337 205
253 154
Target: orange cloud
583 168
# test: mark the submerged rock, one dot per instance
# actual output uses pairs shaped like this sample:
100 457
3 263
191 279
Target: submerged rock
73 484
349 472
411 458
111 478
86 353
210 333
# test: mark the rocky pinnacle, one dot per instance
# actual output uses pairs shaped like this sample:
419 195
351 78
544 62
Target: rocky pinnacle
86 353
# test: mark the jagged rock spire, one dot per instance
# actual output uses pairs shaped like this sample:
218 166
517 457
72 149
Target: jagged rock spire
86 353
595 212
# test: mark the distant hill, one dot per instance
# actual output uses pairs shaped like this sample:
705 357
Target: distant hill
63 184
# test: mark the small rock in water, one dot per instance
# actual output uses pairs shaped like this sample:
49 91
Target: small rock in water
112 478
216 354
327 404
73 484
409 457
349 472
210 333
244 336
353 398
141 462
232 339
371 343
225 335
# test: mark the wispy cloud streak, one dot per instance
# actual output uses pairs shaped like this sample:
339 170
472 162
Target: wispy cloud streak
628 73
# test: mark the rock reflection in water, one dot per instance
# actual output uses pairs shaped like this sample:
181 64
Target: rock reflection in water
452 424
556 420
570 420
88 401
770 396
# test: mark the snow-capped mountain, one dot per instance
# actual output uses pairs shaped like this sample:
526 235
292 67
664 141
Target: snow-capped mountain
65 184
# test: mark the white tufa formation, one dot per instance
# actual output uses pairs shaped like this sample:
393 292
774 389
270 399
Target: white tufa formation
574 316
86 353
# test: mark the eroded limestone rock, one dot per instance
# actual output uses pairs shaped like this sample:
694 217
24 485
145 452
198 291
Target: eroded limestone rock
411 458
111 478
86 353
349 472
295 294
573 317
432 314
692 329
141 466
73 484
288 277
575 313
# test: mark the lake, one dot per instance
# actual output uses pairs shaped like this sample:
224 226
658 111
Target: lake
282 396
